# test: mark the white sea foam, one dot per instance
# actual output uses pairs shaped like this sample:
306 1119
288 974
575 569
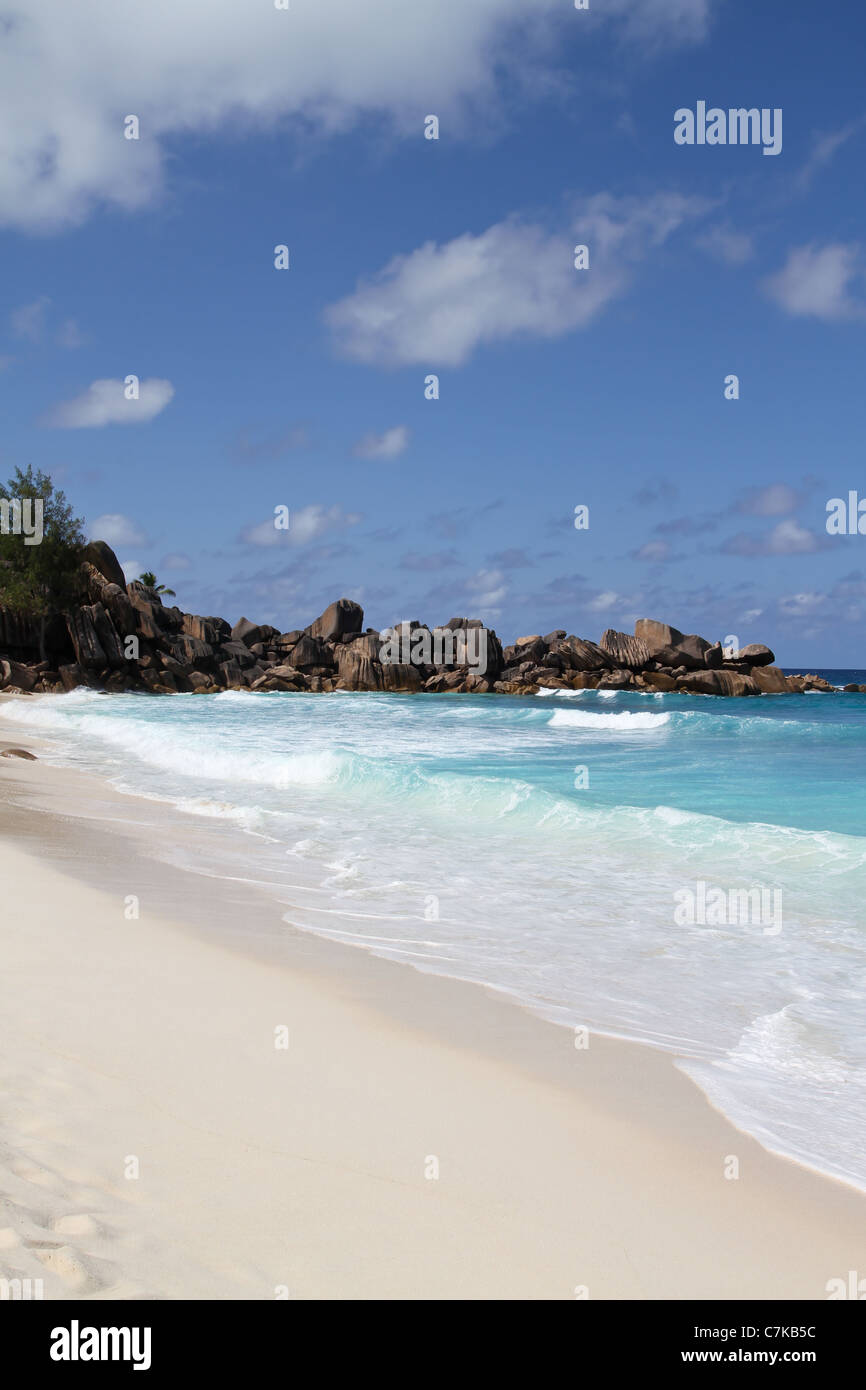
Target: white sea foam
383 808
625 722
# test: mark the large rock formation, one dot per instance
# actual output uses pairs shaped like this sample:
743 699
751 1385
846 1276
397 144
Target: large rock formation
121 637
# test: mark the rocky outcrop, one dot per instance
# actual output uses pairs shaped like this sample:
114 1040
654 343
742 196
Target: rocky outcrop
626 651
121 637
340 620
756 655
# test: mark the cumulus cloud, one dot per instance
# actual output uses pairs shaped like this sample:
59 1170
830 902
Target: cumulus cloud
439 303
604 601
486 590
105 403
773 500
383 446
818 282
305 525
70 74
788 538
116 529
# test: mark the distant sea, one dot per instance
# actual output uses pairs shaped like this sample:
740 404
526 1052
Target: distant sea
538 844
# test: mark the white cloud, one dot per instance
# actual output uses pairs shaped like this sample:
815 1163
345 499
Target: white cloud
802 605
816 282
104 403
723 243
824 148
305 525
116 529
486 590
654 551
773 500
440 303
383 446
69 335
787 538
196 66
131 569
603 602
176 561
29 321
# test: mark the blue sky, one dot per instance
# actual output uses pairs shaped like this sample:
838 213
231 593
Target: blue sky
305 388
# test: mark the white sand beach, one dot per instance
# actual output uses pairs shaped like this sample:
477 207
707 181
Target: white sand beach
308 1172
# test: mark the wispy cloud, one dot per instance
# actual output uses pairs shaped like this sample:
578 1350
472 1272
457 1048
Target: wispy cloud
388 445
305 525
248 448
28 321
824 148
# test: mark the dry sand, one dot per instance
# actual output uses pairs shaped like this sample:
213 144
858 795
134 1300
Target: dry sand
306 1172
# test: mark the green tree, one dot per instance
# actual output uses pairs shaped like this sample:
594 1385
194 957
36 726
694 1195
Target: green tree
39 572
149 578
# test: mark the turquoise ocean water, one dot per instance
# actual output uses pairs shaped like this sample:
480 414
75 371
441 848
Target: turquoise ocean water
539 845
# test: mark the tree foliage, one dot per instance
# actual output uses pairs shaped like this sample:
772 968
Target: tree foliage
40 579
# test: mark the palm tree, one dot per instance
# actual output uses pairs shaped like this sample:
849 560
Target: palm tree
149 579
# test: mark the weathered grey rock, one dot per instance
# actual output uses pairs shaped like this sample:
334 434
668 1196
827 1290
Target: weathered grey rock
404 678
89 651
631 652
189 651
103 559
230 676
310 651
147 623
770 680
249 633
587 656
456 623
658 637
718 683
756 655
214 631
108 636
340 618
199 682
286 673
659 680
72 676
239 652
616 680
690 652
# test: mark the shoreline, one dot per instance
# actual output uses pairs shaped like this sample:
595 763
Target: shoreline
559 1168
